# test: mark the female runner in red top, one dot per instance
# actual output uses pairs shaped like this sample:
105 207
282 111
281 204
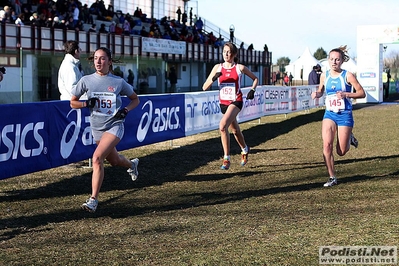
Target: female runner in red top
229 75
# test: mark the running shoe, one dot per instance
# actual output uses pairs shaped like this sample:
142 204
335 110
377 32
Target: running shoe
244 157
332 181
90 205
133 171
226 165
354 141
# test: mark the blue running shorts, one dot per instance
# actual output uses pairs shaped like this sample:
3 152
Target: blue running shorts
344 118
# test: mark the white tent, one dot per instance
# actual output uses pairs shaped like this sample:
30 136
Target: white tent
351 65
304 63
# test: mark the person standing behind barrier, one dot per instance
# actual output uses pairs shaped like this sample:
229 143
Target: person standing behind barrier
107 115
228 75
291 77
172 79
386 78
178 12
314 75
274 78
69 72
278 77
130 77
75 14
286 79
338 117
191 16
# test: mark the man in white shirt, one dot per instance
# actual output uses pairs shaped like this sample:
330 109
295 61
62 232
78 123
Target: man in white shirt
70 70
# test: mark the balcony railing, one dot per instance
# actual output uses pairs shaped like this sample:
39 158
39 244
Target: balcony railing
13 37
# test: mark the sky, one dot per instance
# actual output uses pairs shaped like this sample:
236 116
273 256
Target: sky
289 27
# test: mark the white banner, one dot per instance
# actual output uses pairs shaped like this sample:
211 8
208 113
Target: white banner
154 45
202 112
203 109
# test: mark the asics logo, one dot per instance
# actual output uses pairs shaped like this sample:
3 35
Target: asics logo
14 138
159 119
71 134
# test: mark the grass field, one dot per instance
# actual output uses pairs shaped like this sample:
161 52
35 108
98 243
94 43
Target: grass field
184 210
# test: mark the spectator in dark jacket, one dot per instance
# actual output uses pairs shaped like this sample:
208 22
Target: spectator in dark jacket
93 28
172 79
314 75
144 32
102 28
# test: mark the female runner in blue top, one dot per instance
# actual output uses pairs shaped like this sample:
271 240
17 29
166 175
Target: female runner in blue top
338 117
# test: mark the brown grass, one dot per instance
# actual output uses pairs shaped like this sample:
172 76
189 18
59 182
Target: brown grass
183 210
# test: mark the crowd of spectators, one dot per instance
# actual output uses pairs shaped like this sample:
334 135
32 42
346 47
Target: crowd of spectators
72 15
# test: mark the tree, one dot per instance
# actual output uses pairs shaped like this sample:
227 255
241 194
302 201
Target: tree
282 62
320 54
392 60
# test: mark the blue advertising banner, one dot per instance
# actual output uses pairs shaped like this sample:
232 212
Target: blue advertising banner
157 118
24 139
44 135
39 136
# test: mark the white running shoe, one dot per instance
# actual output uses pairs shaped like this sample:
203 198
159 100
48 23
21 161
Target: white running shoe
133 171
90 205
332 181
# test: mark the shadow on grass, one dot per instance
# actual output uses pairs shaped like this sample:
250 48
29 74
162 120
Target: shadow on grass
22 225
158 168
167 165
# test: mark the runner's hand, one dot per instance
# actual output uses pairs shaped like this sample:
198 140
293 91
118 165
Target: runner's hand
251 94
121 114
217 75
90 103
